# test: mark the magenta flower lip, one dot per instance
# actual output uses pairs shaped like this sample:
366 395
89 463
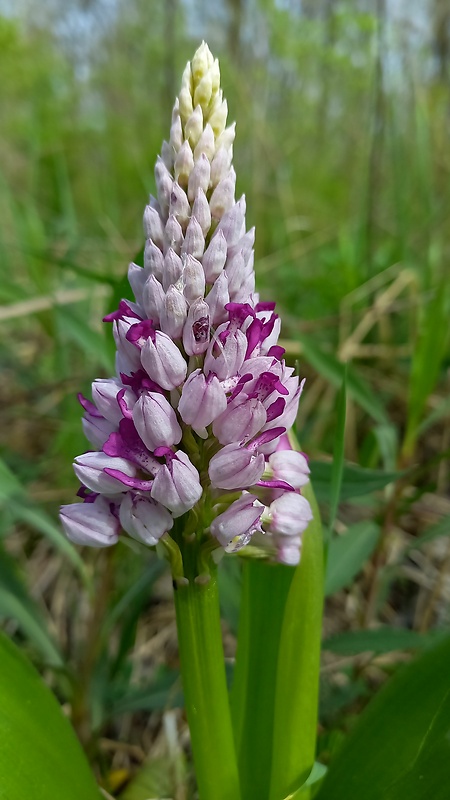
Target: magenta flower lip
202 399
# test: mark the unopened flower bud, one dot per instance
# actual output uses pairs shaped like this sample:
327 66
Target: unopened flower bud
194 241
184 164
201 62
217 299
220 165
232 223
193 279
156 421
201 212
164 182
173 234
173 268
186 107
174 313
226 138
215 257
179 205
153 226
222 198
153 299
194 126
163 361
153 259
136 278
202 400
206 144
218 118
176 133
199 177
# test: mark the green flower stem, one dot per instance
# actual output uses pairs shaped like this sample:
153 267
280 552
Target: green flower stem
204 679
264 592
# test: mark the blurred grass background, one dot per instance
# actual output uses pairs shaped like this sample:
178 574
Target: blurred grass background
342 113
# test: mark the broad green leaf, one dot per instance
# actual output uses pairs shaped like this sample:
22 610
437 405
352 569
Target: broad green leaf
333 371
297 685
400 748
265 589
347 554
379 640
356 481
15 602
40 756
316 775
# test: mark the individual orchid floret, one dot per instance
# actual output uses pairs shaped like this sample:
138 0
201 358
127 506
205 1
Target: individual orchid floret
177 483
287 518
290 466
90 471
189 437
235 526
144 519
92 523
235 467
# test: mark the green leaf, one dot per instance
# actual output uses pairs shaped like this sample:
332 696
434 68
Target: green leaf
15 602
356 481
40 756
347 554
297 684
255 675
379 640
333 371
400 748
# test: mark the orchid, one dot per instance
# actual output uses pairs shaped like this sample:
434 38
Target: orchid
202 401
191 444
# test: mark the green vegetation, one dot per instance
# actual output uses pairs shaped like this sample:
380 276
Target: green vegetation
342 153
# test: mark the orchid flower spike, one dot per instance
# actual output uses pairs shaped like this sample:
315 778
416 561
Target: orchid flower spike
191 433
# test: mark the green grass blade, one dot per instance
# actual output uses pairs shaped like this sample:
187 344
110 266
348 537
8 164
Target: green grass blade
333 371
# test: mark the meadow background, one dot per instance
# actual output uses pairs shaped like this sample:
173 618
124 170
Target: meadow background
342 111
